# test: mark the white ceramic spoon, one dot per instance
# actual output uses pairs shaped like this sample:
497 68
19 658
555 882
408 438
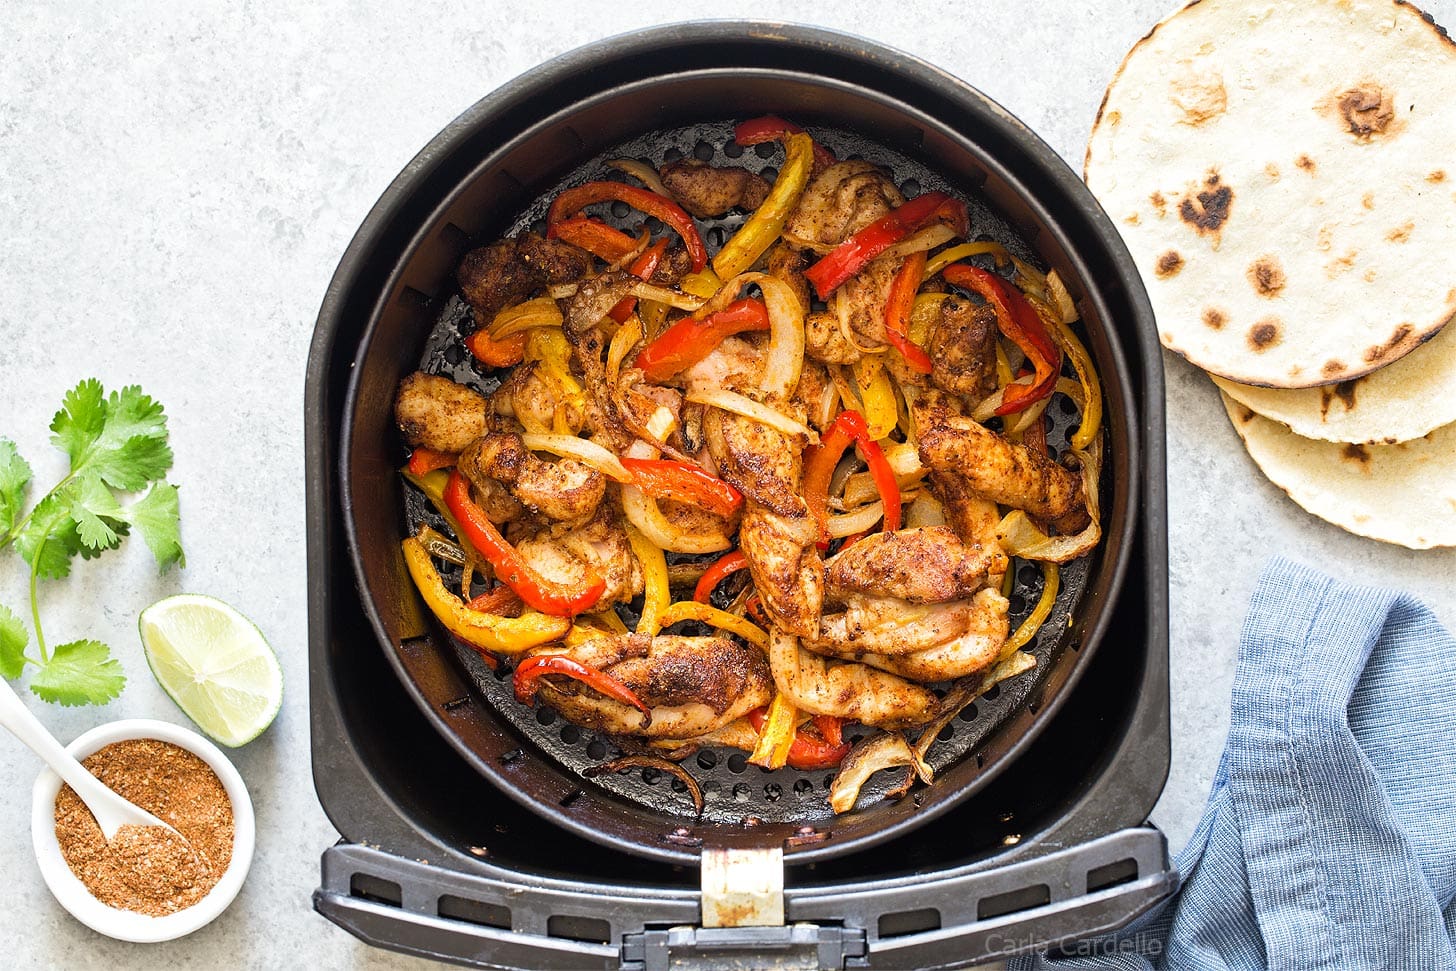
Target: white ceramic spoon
111 811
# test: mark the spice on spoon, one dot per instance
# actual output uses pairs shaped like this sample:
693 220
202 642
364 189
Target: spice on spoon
148 869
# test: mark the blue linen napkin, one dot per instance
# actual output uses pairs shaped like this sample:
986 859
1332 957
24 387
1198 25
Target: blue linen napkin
1329 840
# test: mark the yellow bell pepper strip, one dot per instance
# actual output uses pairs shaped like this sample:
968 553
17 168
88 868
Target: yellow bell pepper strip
848 427
688 341
423 461
776 731
667 479
1039 613
549 348
1091 422
505 352
596 237
538 592
703 284
1019 322
760 230
898 309
850 256
772 128
433 484
490 632
575 199
722 568
642 268
806 752
876 394
655 593
533 669
713 617
954 254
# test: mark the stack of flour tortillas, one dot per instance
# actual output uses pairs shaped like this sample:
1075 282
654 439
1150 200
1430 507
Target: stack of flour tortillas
1284 173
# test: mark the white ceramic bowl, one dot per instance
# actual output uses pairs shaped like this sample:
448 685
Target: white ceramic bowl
126 925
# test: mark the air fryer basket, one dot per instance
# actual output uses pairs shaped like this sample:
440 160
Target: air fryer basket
645 95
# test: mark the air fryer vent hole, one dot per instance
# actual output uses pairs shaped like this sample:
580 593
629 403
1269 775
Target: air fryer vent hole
585 929
909 922
1013 901
366 886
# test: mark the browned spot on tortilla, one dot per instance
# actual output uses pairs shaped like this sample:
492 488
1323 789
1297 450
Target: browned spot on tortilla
1437 176
1246 415
1305 162
1367 111
1133 219
1114 118
1168 264
1206 211
1266 276
1332 367
1357 453
1368 200
1451 295
1214 318
1272 171
1200 96
1325 239
1343 264
1400 233
1373 354
1370 275
1264 334
1345 391
1159 203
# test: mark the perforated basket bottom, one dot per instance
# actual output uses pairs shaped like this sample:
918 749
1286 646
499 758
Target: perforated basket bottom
733 790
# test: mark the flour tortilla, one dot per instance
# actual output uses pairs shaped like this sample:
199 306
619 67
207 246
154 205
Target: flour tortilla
1403 494
1397 403
1285 176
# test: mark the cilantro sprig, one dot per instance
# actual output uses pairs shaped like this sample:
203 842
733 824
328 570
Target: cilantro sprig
117 446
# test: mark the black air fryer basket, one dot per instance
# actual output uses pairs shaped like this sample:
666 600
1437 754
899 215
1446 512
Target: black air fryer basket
470 833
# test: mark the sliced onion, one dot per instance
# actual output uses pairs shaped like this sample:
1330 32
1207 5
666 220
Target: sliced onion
926 510
540 312
642 512
862 520
662 423
667 295
623 341
583 450
883 751
968 690
1060 297
743 405
642 172
926 239
651 762
841 306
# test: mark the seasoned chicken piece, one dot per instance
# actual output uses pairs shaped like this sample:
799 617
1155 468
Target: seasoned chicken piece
734 364
926 565
564 489
973 518
706 190
565 556
527 396
788 263
692 685
584 313
979 644
438 413
888 625
673 266
824 341
996 469
861 300
496 276
842 200
962 349
845 689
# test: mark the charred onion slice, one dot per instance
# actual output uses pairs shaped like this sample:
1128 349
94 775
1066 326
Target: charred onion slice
651 762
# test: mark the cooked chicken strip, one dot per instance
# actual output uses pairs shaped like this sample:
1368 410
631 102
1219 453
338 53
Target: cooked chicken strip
889 625
845 689
438 413
840 201
825 341
563 489
786 568
693 685
565 556
925 565
975 649
860 302
973 518
788 263
496 276
962 349
707 191
999 470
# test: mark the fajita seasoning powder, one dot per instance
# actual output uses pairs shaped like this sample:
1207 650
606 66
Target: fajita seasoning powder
147 869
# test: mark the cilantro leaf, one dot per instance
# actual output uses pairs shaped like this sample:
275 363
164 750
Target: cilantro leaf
98 515
14 476
13 638
120 439
52 536
78 424
79 673
156 515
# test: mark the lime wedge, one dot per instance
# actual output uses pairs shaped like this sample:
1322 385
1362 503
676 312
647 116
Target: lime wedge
214 663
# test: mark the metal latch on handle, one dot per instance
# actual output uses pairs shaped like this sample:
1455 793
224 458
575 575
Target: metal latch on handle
797 947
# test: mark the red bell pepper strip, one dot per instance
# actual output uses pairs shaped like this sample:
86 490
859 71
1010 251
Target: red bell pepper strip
722 568
642 268
850 256
688 341
538 593
807 752
502 601
897 312
754 608
772 128
666 479
596 237
423 461
574 200
1020 323
847 427
506 352
531 670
